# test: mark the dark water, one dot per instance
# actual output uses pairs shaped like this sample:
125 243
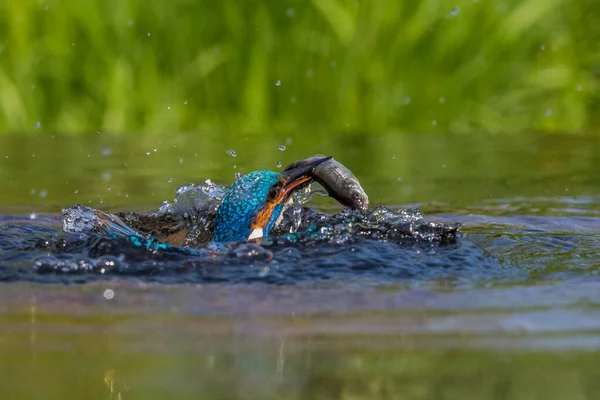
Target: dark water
510 309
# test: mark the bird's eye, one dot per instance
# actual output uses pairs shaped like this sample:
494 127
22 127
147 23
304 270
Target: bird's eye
272 193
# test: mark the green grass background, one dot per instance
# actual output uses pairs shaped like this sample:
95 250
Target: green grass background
183 66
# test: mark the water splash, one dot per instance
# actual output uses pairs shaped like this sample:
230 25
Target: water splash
194 197
306 238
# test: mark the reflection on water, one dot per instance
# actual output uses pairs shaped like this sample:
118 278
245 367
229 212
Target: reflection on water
185 341
446 171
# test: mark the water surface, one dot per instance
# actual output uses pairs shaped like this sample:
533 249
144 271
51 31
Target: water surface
511 310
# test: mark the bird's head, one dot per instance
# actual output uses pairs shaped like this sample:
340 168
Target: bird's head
254 202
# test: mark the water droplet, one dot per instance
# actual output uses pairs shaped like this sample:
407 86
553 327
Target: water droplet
32 191
442 100
292 100
126 195
38 124
288 141
76 191
434 122
232 153
333 64
453 13
579 88
170 180
46 7
106 176
548 112
108 188
278 83
393 157
278 164
185 102
168 107
32 216
443 165
290 12
281 147
148 153
543 48
148 33
180 160
234 166
107 151
109 294
237 175
155 150
6 156
399 179
407 100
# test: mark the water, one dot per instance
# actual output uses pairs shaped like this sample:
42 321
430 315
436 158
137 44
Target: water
508 310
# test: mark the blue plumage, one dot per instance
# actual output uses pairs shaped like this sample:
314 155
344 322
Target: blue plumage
250 208
115 227
241 203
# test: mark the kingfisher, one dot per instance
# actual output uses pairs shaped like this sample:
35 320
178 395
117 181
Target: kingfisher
251 207
254 204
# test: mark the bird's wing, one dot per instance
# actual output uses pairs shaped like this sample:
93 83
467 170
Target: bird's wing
114 226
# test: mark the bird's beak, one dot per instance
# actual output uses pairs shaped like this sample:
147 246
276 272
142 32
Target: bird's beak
296 175
293 177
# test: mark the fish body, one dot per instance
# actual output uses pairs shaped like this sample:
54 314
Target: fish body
339 182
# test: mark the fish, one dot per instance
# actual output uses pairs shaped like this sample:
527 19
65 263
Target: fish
339 182
191 227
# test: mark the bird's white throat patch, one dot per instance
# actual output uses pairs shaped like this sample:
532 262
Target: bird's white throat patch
257 233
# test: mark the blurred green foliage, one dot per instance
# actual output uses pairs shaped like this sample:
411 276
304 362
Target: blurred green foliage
229 66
